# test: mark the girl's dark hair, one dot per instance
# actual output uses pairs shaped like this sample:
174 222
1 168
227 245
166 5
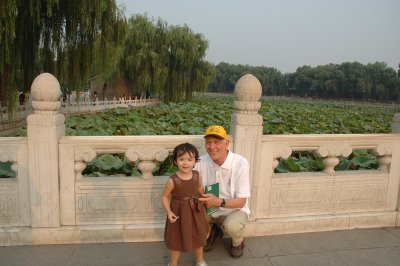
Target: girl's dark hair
183 148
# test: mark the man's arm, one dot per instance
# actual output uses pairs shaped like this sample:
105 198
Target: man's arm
212 201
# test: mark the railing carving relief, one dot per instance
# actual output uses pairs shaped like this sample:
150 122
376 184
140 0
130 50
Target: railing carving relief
147 158
83 155
280 151
248 108
246 120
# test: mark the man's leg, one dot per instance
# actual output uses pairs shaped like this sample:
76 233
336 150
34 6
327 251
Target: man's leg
215 232
234 225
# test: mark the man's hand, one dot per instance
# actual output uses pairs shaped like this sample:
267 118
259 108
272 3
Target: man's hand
210 200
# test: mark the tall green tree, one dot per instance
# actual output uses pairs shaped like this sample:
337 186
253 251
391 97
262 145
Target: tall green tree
56 36
165 60
187 70
144 63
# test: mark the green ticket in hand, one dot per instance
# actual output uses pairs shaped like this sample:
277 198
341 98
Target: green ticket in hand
212 189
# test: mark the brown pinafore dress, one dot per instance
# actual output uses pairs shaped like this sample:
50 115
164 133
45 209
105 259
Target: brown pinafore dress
191 228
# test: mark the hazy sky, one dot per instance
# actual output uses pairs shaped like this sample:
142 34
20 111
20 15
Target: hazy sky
286 34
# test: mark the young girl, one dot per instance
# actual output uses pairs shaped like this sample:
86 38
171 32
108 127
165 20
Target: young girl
186 227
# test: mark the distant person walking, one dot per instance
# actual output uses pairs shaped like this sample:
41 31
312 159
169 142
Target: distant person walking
21 99
186 226
95 97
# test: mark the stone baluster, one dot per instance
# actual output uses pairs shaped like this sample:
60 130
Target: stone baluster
330 154
82 156
44 128
384 154
147 158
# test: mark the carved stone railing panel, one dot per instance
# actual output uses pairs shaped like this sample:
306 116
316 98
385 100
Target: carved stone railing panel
126 200
114 199
330 154
317 194
147 158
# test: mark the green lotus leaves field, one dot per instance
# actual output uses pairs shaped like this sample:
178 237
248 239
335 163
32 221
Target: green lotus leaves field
280 115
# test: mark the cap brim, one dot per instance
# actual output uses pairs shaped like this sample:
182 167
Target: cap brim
213 135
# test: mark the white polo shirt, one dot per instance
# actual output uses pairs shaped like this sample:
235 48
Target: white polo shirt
232 176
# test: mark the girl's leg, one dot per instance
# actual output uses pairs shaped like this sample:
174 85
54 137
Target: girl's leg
174 257
198 252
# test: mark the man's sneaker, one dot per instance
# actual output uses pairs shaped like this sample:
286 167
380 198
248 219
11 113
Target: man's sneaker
237 252
215 234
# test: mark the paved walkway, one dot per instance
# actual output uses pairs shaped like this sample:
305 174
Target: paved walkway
363 247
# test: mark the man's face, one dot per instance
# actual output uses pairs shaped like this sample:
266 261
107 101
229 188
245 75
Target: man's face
217 149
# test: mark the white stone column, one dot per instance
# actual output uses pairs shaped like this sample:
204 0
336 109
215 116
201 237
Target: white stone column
45 126
246 128
396 123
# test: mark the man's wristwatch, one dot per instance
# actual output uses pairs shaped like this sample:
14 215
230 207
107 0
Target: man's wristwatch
222 203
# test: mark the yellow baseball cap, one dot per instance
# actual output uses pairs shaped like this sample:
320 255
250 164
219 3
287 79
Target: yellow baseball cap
216 131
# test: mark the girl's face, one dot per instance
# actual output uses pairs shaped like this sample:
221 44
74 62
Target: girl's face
185 162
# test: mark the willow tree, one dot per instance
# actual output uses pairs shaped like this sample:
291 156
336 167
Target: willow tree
56 36
187 70
166 60
144 61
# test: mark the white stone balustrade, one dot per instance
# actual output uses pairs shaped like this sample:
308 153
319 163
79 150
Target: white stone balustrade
83 107
50 201
76 107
